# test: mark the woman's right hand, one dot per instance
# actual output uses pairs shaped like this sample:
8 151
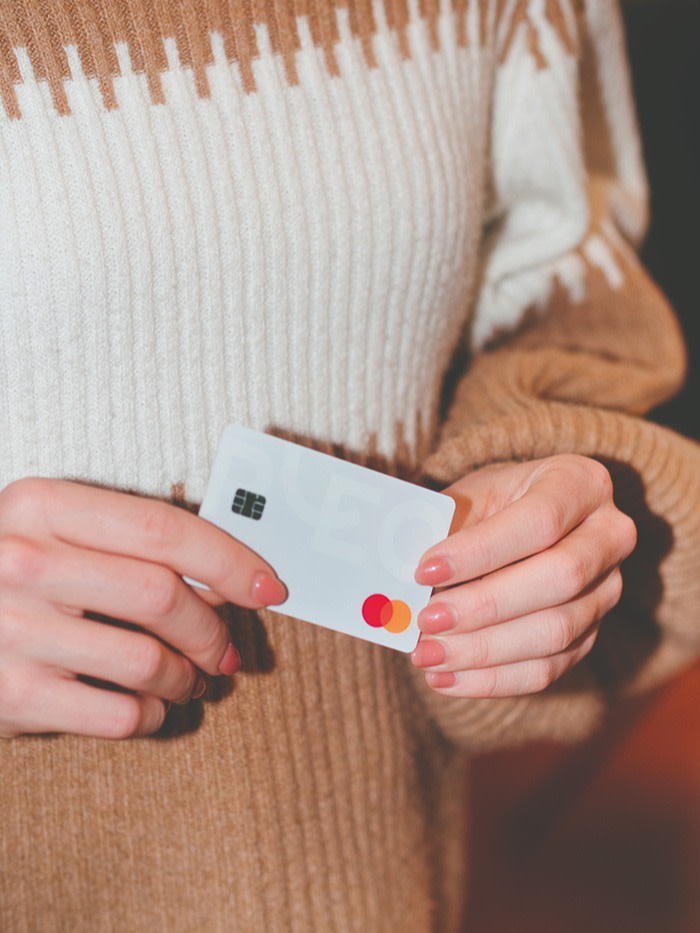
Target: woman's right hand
67 549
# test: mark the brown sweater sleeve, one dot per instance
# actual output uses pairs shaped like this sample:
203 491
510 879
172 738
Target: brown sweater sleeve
578 376
577 380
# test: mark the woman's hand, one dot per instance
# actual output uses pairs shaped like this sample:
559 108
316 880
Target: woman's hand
67 549
525 577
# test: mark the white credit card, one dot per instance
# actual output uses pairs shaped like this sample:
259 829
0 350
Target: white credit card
346 540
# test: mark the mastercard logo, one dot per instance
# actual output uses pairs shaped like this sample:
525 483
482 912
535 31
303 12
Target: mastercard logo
381 612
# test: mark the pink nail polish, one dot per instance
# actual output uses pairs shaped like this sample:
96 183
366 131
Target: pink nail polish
436 618
440 679
429 653
268 590
230 662
434 571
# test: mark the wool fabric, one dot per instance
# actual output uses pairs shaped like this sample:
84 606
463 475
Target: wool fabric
401 232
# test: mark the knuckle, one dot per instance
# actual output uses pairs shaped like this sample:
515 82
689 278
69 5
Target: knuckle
478 551
145 662
155 720
489 684
543 676
590 471
21 562
563 633
551 522
485 609
27 502
186 684
601 480
612 597
571 574
160 592
160 526
571 463
628 534
15 696
124 718
478 651
209 642
22 494
618 583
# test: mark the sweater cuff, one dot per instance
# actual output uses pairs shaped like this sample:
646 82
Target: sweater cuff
655 630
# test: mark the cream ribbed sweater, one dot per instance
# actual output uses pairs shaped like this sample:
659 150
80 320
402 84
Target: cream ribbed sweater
293 215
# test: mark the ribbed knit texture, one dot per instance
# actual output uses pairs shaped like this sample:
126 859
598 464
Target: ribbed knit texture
294 215
294 804
234 239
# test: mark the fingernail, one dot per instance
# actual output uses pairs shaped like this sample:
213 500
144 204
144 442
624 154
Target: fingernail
440 679
230 662
199 688
434 571
429 653
436 618
268 590
168 706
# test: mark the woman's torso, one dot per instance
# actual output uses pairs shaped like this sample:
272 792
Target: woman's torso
215 212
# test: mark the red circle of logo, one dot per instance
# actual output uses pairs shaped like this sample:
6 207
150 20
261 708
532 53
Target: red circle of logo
379 611
374 607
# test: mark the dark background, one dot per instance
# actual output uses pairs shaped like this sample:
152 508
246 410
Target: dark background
664 48
605 838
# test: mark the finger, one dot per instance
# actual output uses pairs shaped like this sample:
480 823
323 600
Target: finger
132 660
539 635
548 510
147 594
132 526
510 680
31 701
549 578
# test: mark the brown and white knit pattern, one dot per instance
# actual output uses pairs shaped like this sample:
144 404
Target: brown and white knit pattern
267 213
272 212
199 229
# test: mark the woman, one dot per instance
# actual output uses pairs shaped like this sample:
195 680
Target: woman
295 216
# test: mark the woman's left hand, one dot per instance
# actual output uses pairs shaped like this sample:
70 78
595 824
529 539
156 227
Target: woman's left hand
529 570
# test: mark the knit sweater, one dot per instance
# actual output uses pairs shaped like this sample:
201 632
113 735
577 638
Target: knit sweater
401 232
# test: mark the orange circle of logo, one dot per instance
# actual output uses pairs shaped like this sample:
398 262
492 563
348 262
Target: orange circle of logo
379 611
